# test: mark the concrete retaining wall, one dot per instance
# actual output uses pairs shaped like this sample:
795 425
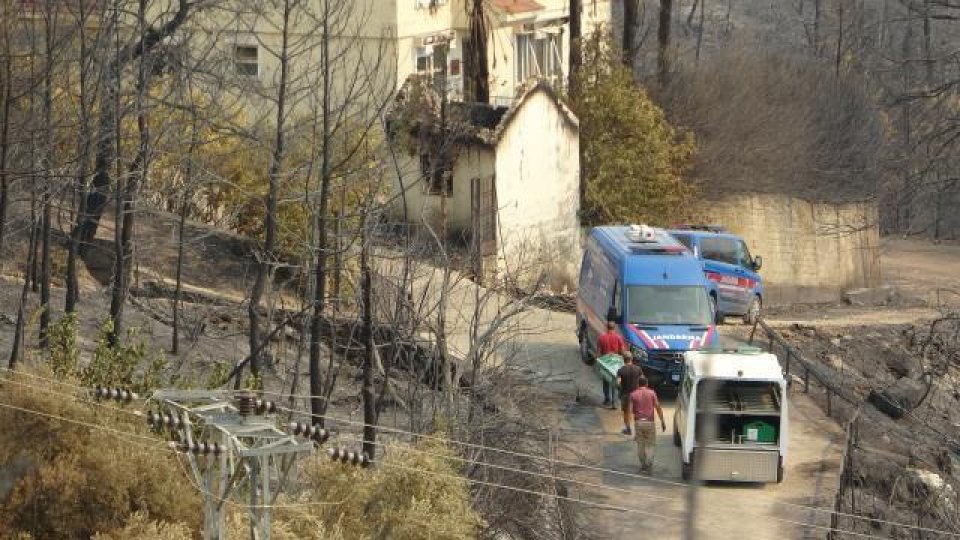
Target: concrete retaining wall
811 251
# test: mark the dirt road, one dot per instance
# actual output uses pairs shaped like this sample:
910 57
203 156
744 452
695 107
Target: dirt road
591 435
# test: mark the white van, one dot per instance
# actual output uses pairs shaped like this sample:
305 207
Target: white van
739 429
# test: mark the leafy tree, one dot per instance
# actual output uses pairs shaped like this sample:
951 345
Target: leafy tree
632 158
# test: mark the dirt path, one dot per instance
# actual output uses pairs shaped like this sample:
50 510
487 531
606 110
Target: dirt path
591 436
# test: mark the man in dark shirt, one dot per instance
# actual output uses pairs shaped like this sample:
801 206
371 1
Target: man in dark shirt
628 377
610 342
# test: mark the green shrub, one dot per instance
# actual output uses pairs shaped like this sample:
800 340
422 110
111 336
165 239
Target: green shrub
64 352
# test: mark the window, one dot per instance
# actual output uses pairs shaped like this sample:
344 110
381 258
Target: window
538 55
720 249
245 60
685 240
743 255
668 304
434 176
617 301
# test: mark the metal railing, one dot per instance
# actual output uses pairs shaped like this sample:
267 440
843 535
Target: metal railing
792 359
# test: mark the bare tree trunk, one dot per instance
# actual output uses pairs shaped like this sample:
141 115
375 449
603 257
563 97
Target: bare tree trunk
630 10
5 138
839 59
703 8
928 59
268 257
127 196
479 78
20 328
817 15
96 197
46 198
369 396
178 289
83 155
317 403
693 11
576 33
663 41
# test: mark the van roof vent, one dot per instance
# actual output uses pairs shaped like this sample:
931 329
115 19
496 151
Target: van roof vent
641 234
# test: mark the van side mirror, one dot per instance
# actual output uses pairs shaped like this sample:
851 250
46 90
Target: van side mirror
757 262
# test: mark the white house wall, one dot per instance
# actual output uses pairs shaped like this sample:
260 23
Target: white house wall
538 172
424 208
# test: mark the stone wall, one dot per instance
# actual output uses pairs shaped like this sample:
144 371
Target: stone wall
811 251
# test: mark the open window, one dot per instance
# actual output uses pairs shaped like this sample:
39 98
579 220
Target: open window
538 54
437 178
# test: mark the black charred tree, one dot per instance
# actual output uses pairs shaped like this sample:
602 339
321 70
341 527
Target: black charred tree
370 412
663 41
630 10
268 256
127 194
106 152
479 77
317 402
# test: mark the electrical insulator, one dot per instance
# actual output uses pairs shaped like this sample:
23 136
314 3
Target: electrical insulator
347 457
201 448
115 394
162 420
314 432
265 407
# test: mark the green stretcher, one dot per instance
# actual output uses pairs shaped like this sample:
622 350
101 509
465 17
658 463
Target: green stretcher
607 367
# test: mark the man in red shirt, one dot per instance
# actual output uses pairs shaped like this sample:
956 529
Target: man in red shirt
645 402
610 342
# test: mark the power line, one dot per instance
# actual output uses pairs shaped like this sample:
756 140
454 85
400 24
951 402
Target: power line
619 473
606 506
117 432
525 455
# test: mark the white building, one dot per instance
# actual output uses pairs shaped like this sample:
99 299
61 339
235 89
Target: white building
526 39
509 184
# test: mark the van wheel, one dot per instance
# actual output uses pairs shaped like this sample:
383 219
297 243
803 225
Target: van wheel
676 434
585 355
753 312
686 469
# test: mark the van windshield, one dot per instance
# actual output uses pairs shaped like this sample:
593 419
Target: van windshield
666 304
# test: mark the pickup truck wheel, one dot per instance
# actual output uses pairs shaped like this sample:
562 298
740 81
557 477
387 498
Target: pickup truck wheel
585 355
676 434
753 312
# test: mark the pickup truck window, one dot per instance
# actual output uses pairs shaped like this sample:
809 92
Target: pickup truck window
666 304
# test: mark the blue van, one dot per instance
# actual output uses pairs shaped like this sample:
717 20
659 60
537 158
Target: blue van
728 263
654 289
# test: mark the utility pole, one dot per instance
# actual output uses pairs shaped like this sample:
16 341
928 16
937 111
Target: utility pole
233 445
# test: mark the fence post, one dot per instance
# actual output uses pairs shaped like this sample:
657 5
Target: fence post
789 354
770 346
806 380
829 403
